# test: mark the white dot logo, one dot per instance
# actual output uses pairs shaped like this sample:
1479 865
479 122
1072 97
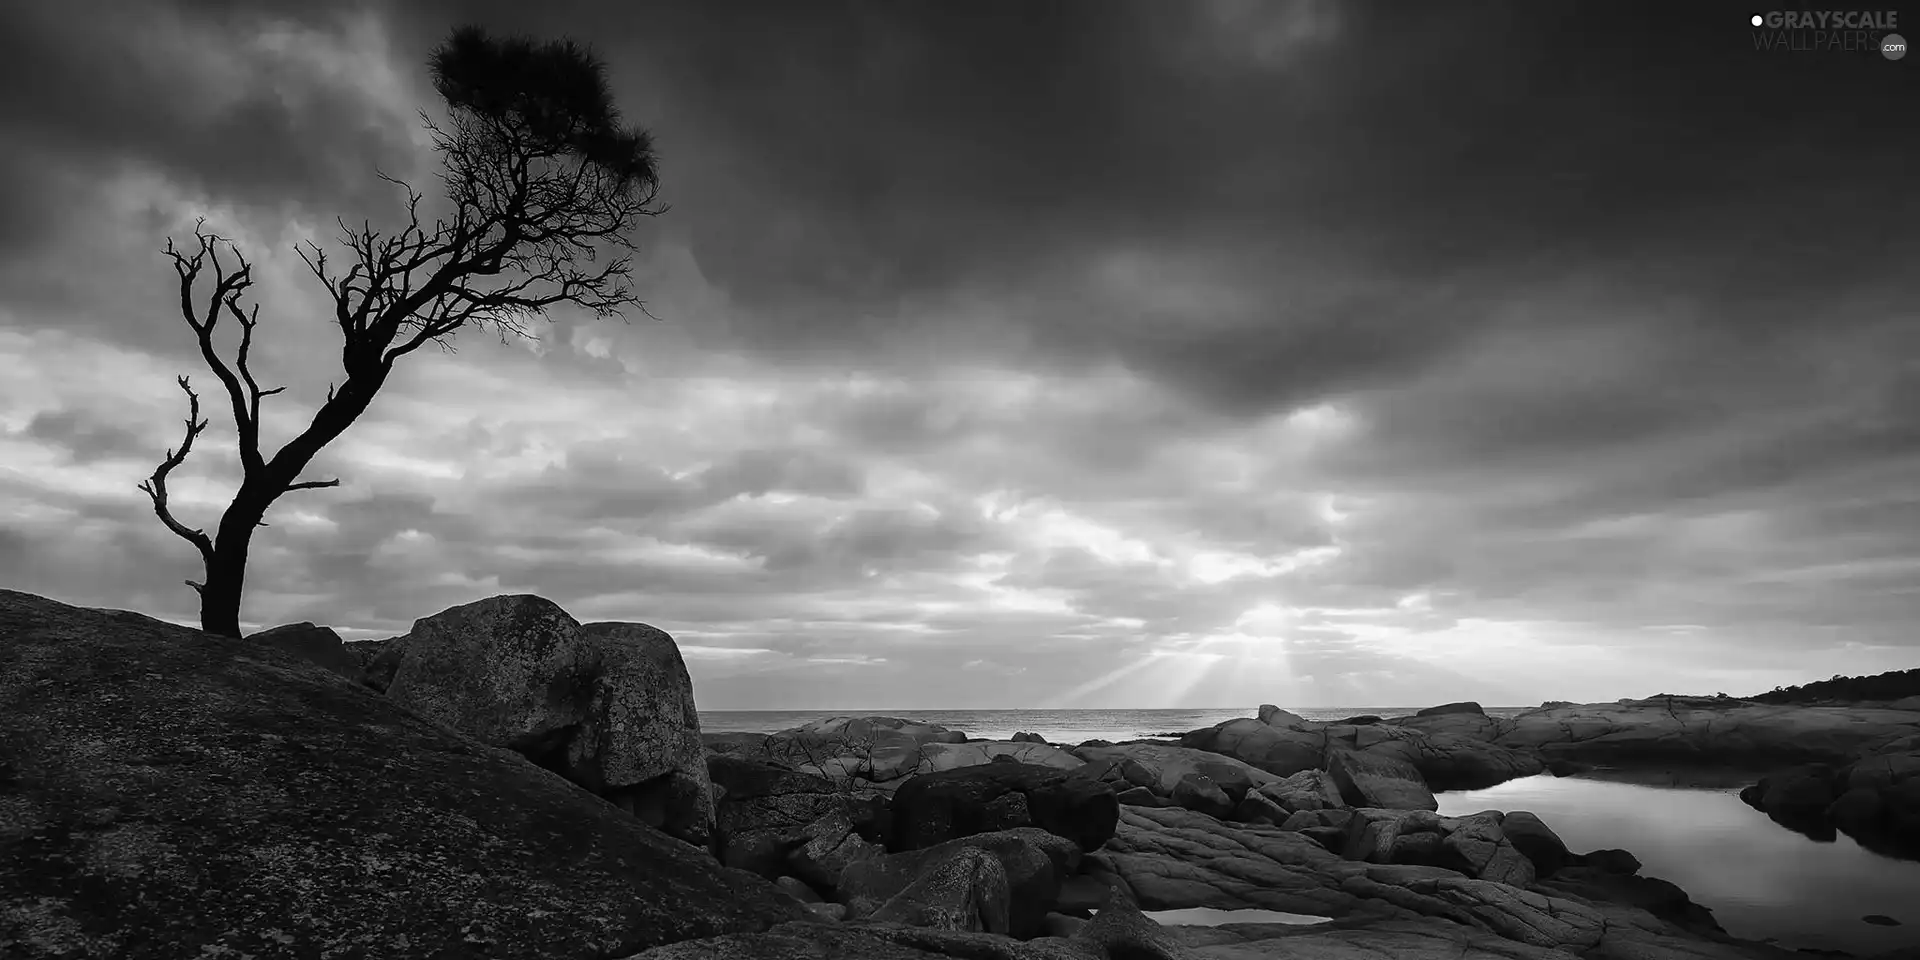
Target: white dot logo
1758 20
1893 46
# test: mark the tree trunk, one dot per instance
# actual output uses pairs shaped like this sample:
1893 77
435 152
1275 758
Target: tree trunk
220 595
227 569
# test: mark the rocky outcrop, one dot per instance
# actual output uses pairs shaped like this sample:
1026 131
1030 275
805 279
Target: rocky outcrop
935 757
1708 731
1184 776
379 660
314 644
609 705
1120 932
933 808
1875 800
1306 790
1451 749
1374 779
874 749
1174 859
639 743
1463 706
763 811
966 890
511 671
1281 749
160 785
828 846
1472 846
1033 864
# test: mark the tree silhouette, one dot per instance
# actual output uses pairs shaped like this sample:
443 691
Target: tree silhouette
541 175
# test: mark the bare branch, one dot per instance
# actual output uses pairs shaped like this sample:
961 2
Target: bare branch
313 484
155 486
228 286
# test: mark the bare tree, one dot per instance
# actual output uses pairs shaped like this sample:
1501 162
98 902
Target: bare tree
541 176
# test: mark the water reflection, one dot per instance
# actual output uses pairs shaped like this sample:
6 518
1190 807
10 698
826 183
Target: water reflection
1760 880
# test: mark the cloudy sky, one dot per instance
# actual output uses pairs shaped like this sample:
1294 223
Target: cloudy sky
1034 354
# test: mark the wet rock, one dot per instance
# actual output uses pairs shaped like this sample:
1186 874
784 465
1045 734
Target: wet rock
1536 841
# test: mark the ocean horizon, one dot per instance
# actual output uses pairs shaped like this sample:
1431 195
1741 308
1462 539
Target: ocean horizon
1056 725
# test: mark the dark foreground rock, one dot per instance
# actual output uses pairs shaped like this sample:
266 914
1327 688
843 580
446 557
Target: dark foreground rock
935 807
607 705
164 792
1030 865
315 644
1875 800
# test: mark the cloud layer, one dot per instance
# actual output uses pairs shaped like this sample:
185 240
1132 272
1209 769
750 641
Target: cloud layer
1116 354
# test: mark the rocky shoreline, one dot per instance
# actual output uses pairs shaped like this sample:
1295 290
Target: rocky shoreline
503 781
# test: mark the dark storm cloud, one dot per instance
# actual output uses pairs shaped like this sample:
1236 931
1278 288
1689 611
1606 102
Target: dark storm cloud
188 91
1012 311
1361 200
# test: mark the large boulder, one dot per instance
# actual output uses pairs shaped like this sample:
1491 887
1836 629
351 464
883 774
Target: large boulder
1306 790
1446 761
1463 706
827 848
379 660
1036 864
1709 731
966 890
160 785
315 644
609 706
936 807
1281 748
935 757
1368 779
511 671
639 745
1536 841
763 810
876 749
1162 767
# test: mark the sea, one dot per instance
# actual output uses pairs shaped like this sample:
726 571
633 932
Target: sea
1762 881
1058 726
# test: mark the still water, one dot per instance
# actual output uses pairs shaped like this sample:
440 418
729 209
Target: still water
1761 880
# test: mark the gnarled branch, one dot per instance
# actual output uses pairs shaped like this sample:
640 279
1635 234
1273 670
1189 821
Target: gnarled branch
156 485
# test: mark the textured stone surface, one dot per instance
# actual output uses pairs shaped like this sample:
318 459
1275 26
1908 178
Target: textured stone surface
165 786
1036 864
948 756
965 890
639 745
935 807
1368 779
512 671
315 644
